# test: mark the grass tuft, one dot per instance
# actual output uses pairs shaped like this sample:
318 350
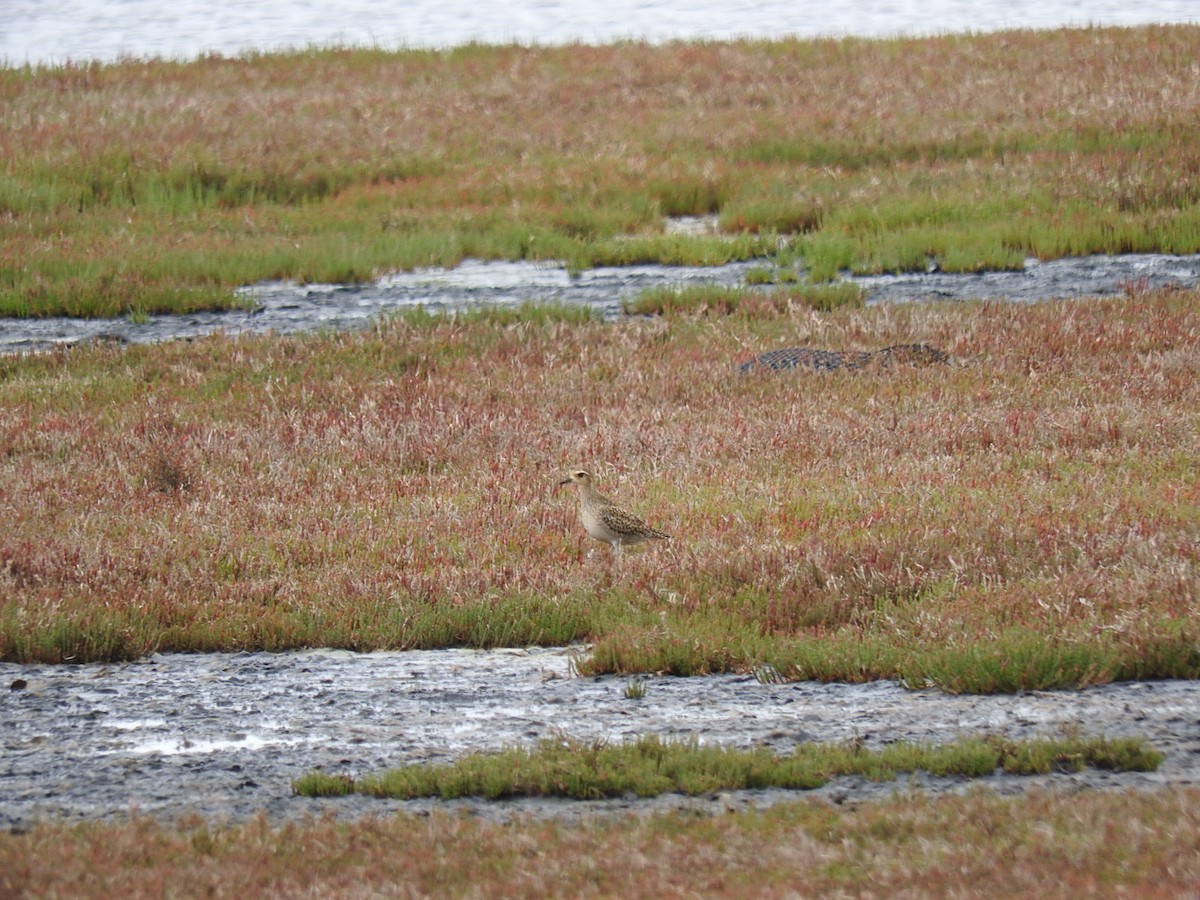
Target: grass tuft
650 766
715 300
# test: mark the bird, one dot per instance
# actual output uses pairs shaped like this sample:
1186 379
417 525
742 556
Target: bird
605 521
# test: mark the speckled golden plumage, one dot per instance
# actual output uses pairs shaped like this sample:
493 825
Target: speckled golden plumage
604 520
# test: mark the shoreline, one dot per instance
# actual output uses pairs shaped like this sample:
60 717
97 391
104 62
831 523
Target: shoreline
223 735
283 308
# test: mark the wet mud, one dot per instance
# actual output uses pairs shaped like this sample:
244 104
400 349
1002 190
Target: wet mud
223 735
286 307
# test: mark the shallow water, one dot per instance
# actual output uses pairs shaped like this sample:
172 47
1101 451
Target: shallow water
223 735
285 307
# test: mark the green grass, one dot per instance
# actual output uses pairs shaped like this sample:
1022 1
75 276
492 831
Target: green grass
533 315
650 767
1012 660
975 151
273 624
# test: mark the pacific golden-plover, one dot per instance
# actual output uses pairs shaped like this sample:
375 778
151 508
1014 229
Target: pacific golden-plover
605 521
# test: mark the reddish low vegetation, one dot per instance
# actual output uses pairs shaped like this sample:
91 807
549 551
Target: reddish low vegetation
151 185
1045 845
1026 519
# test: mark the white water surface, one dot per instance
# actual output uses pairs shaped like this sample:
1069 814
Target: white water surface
57 31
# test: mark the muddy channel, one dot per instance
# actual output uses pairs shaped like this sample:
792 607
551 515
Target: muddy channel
285 307
224 735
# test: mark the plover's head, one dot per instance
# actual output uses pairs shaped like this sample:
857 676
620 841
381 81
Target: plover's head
579 476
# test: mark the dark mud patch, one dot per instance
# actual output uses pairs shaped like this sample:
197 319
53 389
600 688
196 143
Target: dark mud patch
285 307
223 735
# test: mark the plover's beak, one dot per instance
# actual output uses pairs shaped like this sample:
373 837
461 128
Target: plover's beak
565 481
